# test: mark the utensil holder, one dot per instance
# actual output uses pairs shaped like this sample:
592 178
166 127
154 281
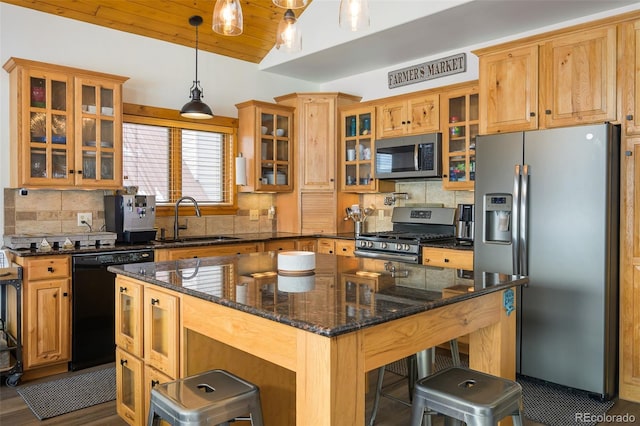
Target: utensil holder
358 227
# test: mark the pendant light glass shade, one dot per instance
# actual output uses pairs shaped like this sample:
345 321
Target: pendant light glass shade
288 35
196 108
290 4
354 14
227 17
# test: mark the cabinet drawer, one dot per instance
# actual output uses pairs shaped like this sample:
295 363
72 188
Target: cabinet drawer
326 246
344 248
46 268
447 258
280 245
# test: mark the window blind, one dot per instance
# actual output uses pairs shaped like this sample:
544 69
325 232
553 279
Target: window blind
172 162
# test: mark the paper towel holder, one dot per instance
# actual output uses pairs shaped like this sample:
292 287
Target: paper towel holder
241 170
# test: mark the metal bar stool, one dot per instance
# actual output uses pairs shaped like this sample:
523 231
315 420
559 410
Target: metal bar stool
465 395
418 365
210 398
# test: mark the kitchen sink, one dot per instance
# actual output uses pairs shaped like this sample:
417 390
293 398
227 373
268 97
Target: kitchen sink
206 238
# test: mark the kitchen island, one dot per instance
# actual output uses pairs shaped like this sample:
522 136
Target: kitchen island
319 334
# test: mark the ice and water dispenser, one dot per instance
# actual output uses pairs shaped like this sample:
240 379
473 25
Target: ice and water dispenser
497 218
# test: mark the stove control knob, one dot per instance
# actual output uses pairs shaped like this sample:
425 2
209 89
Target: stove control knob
407 247
398 246
363 243
383 245
369 244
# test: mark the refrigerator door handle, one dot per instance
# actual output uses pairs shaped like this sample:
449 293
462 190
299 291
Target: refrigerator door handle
515 240
524 258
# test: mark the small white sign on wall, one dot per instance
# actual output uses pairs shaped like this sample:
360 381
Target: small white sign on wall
429 70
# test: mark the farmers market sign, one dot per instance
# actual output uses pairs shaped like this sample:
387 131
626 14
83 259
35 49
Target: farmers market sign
429 70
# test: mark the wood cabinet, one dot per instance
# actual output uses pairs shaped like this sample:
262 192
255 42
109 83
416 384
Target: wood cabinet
129 311
307 244
46 325
147 340
447 258
509 90
460 127
357 145
315 136
336 246
265 139
161 331
129 385
205 251
630 79
409 115
313 205
66 126
556 81
280 245
579 78
629 380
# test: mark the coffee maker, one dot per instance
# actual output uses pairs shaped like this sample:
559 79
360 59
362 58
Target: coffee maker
465 218
131 217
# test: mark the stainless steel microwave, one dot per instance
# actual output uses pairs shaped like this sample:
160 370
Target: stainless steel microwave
409 157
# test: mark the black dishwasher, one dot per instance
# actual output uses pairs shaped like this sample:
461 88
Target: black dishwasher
93 306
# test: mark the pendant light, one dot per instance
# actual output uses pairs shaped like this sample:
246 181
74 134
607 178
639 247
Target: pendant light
196 108
290 4
354 14
288 34
227 17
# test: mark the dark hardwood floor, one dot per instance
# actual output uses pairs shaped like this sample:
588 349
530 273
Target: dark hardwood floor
14 411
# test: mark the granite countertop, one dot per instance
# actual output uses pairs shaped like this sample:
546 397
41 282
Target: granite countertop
342 295
201 241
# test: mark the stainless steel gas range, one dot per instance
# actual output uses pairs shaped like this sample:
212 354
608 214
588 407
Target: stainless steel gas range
412 228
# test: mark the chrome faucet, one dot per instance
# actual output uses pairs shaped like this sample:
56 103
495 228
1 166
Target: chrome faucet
175 224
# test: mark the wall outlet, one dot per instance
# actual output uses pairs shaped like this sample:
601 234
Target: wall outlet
254 214
84 217
380 214
271 213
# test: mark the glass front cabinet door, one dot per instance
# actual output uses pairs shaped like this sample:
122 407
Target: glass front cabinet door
459 139
265 138
65 126
357 146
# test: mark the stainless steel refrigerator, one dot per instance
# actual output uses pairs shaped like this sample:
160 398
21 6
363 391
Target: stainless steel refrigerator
547 206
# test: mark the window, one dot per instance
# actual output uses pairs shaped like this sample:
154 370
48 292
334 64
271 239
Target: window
170 158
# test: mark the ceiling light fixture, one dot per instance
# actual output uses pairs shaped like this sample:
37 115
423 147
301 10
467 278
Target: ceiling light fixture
227 17
354 14
290 4
288 34
196 108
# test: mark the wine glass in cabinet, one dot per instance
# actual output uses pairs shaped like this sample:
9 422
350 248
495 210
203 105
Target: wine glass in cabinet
459 138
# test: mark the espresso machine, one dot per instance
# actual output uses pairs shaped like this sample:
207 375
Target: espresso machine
131 217
465 218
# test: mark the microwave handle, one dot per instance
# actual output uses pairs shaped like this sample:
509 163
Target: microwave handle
416 157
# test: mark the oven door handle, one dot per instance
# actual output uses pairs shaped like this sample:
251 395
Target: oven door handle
406 258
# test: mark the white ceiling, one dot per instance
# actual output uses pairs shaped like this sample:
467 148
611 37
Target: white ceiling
405 30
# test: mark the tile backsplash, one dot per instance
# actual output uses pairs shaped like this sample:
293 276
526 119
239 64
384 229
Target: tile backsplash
45 211
54 211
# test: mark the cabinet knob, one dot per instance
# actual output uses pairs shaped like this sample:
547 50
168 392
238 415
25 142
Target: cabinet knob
79 172
123 289
532 114
446 260
155 301
71 171
331 180
50 269
65 294
629 117
404 122
427 260
547 111
155 382
123 361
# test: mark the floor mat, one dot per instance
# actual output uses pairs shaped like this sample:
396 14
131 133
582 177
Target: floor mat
51 399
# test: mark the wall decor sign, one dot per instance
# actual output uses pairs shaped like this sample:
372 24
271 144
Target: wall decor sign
428 71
